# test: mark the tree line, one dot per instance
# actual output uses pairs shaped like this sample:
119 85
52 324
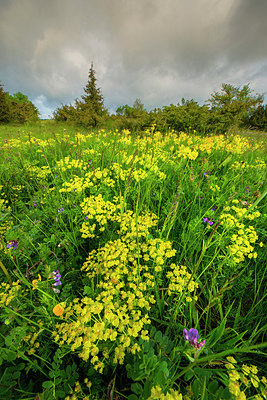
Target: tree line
230 107
16 108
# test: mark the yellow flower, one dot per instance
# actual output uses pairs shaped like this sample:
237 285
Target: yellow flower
35 282
58 310
234 388
255 381
241 396
231 360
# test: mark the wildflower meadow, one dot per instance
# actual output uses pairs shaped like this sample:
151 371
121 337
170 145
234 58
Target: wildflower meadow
132 265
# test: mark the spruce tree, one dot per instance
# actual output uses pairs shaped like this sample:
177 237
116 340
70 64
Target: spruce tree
93 98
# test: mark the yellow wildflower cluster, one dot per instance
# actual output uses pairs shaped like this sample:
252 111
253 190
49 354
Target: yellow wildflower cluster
77 393
31 339
90 179
186 152
6 222
245 378
99 212
66 163
122 273
243 237
214 188
234 144
8 292
258 164
179 279
158 394
80 138
40 173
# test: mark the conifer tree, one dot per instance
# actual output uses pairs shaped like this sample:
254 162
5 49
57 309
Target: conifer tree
93 97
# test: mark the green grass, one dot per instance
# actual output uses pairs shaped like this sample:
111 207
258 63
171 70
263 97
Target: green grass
151 235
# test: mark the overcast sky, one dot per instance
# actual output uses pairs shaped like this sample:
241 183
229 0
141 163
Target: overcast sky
155 50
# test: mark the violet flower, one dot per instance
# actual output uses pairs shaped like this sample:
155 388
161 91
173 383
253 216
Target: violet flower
192 337
12 244
56 276
209 221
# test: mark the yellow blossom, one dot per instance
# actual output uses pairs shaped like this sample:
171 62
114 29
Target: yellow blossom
58 310
35 282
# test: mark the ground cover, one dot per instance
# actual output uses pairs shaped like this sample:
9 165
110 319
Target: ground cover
132 267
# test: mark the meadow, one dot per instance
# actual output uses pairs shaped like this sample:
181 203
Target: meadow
132 266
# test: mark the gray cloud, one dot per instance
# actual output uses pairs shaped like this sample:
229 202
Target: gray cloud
157 50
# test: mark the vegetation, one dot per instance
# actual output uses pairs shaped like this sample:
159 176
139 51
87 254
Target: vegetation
16 108
88 112
132 265
231 108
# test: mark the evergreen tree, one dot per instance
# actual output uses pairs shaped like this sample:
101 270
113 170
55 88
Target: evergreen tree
87 112
93 98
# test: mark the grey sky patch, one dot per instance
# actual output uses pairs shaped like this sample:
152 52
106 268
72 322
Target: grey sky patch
157 50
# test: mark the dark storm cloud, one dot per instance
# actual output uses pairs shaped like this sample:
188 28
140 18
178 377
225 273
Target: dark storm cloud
157 50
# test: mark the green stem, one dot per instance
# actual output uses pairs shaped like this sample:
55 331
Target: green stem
5 272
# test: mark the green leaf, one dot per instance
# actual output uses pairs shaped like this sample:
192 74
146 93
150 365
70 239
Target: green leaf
133 397
213 386
226 394
47 384
51 374
189 375
158 337
137 388
60 394
16 375
68 371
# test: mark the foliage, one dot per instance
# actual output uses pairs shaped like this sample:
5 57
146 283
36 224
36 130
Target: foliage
230 108
16 108
187 117
234 104
4 110
257 118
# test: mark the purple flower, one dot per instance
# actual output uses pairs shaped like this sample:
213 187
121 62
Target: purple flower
56 276
60 210
12 244
209 221
247 189
34 204
207 173
192 337
214 207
